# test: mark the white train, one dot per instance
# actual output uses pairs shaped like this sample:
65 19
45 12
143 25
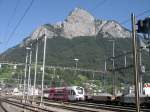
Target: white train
76 93
72 93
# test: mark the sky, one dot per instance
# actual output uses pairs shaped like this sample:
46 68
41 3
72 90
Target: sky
52 11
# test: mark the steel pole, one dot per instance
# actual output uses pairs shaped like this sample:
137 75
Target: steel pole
113 62
114 88
141 79
20 84
29 73
113 54
125 59
35 69
53 78
135 63
25 74
44 53
76 65
105 65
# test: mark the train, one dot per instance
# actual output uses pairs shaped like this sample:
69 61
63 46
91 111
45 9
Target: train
129 99
72 93
77 93
102 98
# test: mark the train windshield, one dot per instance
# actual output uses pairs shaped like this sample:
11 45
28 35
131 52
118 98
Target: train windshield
80 90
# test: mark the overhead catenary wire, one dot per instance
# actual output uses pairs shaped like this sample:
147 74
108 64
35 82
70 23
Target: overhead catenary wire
137 16
19 22
12 16
99 4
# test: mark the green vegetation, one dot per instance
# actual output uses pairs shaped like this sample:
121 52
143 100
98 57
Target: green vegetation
91 52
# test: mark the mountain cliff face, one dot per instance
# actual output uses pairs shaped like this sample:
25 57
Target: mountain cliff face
81 23
111 29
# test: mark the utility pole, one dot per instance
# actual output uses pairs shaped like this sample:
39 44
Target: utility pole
105 75
25 75
114 84
36 60
35 69
105 66
113 62
125 60
43 73
29 73
76 61
53 77
20 83
135 63
141 78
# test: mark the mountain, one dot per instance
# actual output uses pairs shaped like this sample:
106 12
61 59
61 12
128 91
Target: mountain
81 23
64 45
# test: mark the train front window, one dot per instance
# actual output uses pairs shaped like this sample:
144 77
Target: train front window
80 90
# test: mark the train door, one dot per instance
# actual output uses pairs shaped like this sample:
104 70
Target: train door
71 95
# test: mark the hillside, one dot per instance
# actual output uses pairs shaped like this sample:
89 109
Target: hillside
90 51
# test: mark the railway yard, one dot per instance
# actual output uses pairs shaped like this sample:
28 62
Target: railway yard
16 104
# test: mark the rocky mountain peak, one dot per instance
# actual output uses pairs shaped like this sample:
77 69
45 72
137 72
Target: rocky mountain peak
113 29
47 30
79 15
79 22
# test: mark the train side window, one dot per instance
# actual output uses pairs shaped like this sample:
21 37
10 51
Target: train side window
73 92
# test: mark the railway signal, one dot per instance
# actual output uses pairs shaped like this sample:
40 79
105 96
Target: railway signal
144 26
141 27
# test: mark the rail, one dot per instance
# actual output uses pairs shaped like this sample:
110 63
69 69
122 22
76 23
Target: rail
2 107
25 106
79 106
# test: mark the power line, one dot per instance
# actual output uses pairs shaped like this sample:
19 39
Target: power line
99 4
57 67
19 22
140 14
12 16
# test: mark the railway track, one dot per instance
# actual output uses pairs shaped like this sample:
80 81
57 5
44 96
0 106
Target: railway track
84 106
46 105
2 108
25 106
103 106
109 107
